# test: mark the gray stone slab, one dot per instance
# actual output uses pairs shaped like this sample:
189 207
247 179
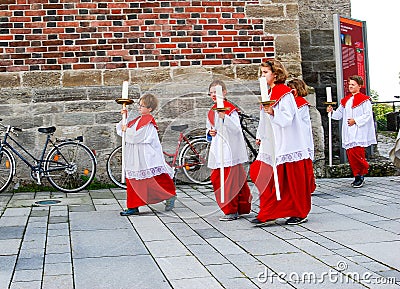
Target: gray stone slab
27 275
57 258
58 248
9 246
384 252
371 235
26 285
59 281
167 248
11 232
209 233
182 267
90 221
29 264
58 269
267 247
196 283
7 264
119 272
101 243
13 221
225 246
309 246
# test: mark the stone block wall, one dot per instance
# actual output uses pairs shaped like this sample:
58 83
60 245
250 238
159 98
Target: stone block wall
62 63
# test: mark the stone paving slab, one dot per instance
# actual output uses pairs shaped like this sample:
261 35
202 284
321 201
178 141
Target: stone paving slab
82 242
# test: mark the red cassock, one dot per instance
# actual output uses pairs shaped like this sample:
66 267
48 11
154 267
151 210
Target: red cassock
295 195
237 196
155 185
149 191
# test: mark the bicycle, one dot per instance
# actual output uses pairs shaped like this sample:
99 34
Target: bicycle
69 166
192 159
246 122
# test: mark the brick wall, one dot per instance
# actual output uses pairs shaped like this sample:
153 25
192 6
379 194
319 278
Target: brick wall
62 35
62 62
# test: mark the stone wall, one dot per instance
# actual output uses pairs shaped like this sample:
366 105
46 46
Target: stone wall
317 52
75 91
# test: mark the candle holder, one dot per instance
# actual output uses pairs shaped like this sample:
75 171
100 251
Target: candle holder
219 109
268 102
124 101
330 103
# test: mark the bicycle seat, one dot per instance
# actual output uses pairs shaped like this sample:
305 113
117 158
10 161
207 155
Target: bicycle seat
181 127
50 129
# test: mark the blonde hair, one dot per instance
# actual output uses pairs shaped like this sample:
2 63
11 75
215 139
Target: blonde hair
149 100
278 69
299 85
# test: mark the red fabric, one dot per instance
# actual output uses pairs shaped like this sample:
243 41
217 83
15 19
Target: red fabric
149 191
278 92
357 161
227 104
301 101
237 196
359 98
143 120
296 184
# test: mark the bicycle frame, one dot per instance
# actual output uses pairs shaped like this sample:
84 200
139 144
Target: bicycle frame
246 129
38 162
173 163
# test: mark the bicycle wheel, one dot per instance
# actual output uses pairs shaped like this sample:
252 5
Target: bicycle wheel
114 167
7 169
70 167
193 159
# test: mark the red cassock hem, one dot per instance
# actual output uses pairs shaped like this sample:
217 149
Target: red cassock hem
237 196
357 161
296 184
149 191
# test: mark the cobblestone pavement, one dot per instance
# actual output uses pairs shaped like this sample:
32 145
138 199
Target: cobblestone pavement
351 241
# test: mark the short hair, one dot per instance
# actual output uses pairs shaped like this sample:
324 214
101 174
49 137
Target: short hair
357 79
278 69
299 85
149 100
217 82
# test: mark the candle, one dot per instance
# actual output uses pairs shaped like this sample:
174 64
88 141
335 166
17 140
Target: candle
125 89
220 96
263 88
328 94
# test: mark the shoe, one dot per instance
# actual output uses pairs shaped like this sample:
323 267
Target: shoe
295 221
170 204
358 182
259 223
229 217
129 212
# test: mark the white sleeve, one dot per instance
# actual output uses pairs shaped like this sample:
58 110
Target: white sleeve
366 116
284 111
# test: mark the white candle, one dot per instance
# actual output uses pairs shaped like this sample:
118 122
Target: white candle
220 96
263 88
328 94
125 89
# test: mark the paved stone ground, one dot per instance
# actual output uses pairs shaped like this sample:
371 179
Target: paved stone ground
351 241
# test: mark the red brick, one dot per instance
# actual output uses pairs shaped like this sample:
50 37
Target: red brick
211 62
228 44
83 66
149 64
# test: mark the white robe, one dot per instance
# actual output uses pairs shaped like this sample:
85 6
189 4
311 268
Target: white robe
306 128
234 147
290 144
144 156
362 133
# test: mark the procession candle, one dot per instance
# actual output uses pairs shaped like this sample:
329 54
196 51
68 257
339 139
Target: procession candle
263 89
328 94
125 89
220 97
